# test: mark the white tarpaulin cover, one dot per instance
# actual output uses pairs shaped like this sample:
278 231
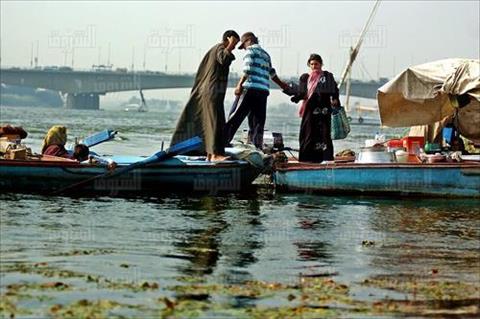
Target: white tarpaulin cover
427 93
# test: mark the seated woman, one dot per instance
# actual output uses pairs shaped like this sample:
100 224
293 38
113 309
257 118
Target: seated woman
54 142
319 93
54 145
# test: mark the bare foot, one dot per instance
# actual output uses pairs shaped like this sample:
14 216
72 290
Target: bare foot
219 158
209 157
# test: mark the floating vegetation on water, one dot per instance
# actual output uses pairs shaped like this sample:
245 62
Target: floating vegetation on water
428 296
9 309
368 243
49 271
90 309
426 289
80 252
55 285
41 268
308 297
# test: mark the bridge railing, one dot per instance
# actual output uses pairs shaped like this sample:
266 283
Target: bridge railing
89 70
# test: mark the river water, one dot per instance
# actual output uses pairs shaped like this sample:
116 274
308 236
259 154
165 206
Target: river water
228 239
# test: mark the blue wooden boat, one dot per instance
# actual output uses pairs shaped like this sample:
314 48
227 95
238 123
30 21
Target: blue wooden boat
180 173
436 179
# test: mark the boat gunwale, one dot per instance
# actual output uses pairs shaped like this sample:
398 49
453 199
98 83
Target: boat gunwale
71 164
297 166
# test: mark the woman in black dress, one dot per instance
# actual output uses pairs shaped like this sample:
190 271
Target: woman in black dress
319 93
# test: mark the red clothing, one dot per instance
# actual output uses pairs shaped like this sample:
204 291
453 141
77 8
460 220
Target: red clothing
57 150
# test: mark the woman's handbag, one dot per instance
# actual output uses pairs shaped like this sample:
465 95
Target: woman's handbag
340 125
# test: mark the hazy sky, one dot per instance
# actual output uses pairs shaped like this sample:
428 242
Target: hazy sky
173 36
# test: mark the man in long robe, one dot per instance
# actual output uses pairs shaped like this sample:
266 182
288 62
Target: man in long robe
204 114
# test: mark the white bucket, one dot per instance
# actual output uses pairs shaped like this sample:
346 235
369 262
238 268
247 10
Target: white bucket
402 156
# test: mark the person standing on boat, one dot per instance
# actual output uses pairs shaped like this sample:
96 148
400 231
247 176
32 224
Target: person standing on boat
252 91
204 114
319 93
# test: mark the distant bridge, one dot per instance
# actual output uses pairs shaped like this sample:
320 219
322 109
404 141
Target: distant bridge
83 88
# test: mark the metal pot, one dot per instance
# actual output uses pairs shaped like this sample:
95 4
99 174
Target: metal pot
375 155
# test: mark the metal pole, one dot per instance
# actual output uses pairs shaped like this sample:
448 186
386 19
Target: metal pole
108 56
73 56
347 91
31 56
133 58
356 49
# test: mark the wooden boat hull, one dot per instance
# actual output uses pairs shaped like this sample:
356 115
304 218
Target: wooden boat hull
439 179
172 175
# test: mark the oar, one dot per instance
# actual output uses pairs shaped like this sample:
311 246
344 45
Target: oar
180 148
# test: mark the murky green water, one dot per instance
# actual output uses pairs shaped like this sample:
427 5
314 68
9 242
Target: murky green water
135 252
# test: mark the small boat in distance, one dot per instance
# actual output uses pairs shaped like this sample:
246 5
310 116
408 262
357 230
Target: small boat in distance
135 107
364 115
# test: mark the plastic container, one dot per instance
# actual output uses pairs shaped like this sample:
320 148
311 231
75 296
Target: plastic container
448 134
436 158
405 157
402 156
413 144
395 145
432 148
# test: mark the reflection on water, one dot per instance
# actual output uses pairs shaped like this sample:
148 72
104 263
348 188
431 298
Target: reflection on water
440 237
241 238
234 239
231 238
222 232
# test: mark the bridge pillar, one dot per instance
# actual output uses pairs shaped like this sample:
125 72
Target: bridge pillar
83 101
